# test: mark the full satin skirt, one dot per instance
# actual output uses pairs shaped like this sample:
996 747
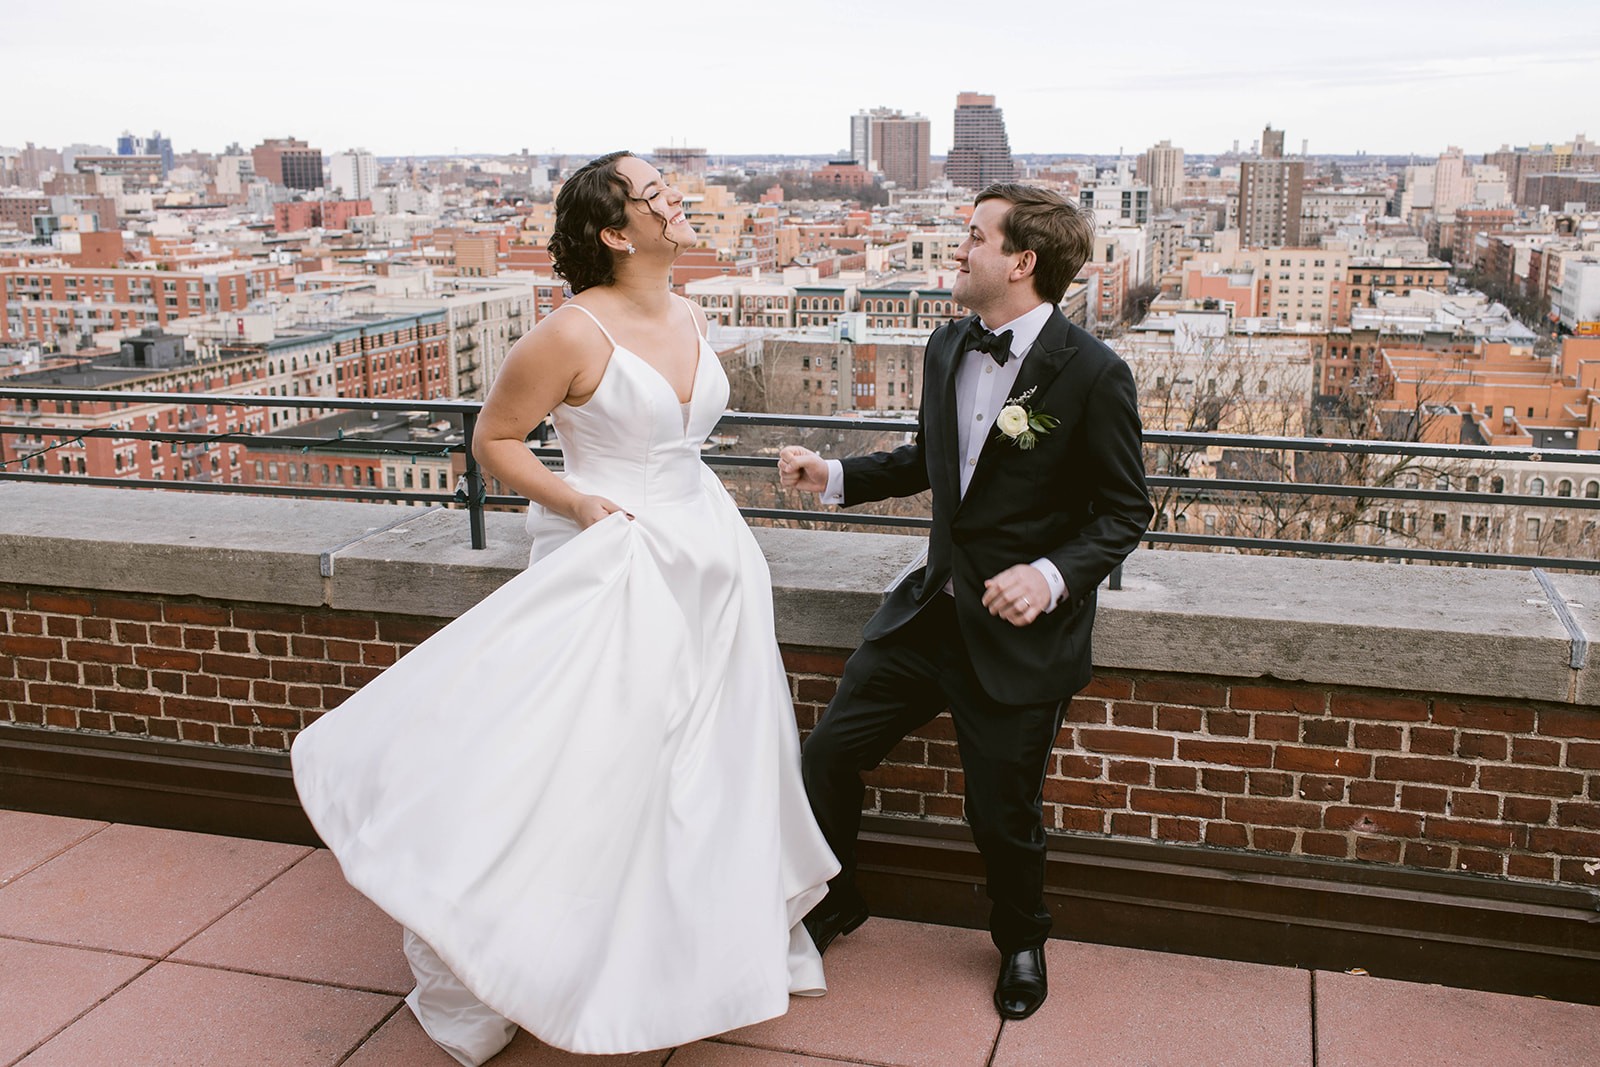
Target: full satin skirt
582 798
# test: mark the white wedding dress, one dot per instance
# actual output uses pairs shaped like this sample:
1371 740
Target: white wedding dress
582 798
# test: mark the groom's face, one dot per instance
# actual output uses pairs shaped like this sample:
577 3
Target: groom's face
986 268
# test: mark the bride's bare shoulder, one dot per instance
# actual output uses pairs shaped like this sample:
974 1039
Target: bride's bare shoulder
564 338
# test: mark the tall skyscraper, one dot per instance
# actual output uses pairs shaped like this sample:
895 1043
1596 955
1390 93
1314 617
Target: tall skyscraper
981 154
861 136
894 144
1161 168
1270 188
353 174
1271 143
1452 183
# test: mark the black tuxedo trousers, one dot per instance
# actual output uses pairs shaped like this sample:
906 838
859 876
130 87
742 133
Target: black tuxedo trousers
896 683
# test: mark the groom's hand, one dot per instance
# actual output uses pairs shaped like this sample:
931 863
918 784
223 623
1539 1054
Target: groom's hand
1017 594
801 468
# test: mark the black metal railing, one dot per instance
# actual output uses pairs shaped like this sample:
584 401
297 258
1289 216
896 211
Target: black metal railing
472 495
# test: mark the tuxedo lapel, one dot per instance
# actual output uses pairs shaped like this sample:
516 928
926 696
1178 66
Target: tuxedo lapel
950 462
1050 354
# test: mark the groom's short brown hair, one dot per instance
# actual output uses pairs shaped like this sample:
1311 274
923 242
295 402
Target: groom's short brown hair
1056 231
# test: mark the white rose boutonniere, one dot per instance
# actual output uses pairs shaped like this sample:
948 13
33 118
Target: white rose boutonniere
1021 425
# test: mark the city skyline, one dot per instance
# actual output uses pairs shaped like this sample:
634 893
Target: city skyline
1384 79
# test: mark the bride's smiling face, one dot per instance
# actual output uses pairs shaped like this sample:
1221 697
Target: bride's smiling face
655 210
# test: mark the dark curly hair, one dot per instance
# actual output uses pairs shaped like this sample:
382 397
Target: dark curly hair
593 199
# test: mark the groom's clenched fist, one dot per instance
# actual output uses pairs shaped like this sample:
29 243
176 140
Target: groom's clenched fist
801 468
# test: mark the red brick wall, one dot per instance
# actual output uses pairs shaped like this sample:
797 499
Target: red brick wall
1397 778
246 676
1400 778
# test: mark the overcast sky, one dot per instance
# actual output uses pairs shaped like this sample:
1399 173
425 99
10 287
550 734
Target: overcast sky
734 76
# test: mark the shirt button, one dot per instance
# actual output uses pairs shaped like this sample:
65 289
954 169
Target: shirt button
980 416
988 370
972 462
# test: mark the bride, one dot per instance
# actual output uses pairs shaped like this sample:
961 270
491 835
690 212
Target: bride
582 799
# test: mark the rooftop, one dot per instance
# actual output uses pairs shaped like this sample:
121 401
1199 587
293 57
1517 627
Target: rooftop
129 944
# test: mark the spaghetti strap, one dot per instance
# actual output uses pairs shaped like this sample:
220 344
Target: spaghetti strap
586 311
696 315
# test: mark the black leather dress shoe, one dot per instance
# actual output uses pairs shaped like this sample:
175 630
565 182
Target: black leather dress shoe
1022 986
824 923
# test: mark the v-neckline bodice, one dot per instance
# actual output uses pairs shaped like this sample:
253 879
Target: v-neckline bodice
694 376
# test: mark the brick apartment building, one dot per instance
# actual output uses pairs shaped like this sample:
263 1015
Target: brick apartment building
327 214
370 454
1366 275
383 356
57 305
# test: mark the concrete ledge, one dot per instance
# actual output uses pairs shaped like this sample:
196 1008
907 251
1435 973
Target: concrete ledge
1432 629
252 548
427 566
1438 629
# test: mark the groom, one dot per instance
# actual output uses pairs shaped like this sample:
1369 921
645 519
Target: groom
1029 437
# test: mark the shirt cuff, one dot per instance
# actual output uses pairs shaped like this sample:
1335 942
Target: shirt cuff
834 494
1058 586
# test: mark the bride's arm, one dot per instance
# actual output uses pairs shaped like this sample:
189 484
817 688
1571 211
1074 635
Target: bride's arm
559 358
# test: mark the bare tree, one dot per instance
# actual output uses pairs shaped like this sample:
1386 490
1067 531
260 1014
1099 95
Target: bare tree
1232 384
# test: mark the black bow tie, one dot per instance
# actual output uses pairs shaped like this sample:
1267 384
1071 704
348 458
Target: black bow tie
996 345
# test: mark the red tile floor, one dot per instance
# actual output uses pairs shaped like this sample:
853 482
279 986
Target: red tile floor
125 945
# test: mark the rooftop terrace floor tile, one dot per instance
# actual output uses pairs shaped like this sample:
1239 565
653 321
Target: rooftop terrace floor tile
201 1017
1123 1007
45 987
308 924
899 993
715 1054
139 890
27 839
1363 1020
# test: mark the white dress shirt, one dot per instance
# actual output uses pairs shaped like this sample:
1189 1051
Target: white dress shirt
982 388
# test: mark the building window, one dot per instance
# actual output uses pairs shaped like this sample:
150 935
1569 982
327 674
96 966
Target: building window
1536 487
1564 488
1533 529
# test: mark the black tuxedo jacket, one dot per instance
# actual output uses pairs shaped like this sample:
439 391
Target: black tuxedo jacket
1078 499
